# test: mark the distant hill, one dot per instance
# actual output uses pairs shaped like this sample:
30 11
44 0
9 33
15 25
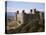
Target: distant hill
11 14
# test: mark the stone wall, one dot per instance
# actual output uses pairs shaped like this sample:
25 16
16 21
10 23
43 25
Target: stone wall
29 22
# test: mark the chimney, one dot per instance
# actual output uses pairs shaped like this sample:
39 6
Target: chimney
31 11
17 12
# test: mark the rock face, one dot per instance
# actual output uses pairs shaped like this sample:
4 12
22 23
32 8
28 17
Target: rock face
27 23
11 25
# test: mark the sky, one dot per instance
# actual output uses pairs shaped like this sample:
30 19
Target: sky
13 6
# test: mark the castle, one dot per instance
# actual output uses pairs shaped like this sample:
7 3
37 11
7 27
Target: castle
24 17
33 22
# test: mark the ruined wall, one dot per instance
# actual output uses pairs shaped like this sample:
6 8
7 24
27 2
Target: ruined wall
19 18
33 22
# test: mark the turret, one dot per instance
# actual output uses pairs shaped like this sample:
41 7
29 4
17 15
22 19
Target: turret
23 11
34 10
31 11
17 12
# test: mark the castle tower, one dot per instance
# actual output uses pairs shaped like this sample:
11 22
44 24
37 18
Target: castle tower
23 11
31 11
19 17
34 10
17 12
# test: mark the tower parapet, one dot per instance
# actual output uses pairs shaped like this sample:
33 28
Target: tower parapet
17 12
31 11
23 11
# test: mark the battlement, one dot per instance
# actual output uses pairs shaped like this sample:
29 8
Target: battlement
32 11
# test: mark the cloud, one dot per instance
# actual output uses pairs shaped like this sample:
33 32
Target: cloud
9 9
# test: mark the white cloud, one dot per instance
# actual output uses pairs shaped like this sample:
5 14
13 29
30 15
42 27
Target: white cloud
20 10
